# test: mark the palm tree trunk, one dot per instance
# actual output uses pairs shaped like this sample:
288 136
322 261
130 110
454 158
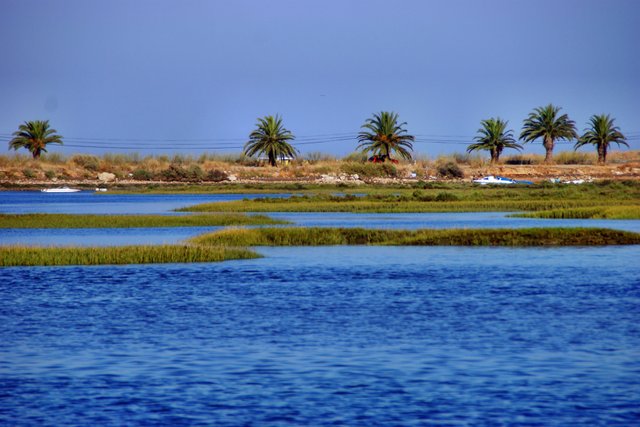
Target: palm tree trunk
602 154
494 156
548 145
272 159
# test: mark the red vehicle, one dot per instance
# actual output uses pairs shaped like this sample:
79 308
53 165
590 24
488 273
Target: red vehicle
381 159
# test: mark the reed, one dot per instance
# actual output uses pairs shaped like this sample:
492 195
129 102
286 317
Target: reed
441 198
598 212
36 256
369 206
132 221
300 236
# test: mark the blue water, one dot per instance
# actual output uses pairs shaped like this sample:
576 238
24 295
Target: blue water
319 336
328 336
90 203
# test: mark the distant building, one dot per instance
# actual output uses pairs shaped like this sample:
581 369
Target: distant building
282 160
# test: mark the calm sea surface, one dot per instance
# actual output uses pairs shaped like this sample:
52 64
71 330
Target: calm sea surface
328 336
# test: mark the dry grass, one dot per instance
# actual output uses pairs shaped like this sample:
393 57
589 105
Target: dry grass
52 166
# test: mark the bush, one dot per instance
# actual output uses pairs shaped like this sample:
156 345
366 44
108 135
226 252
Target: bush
142 175
356 156
29 173
445 196
90 163
176 172
216 175
369 170
450 170
519 159
50 174
195 173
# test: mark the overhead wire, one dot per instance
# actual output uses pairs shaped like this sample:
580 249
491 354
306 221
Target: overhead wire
214 144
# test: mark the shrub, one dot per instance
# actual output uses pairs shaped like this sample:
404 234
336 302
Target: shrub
389 169
195 173
369 170
50 174
90 163
520 159
216 175
174 172
356 156
29 173
450 170
142 175
422 196
445 196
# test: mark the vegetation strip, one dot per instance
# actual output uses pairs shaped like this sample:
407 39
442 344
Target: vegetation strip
598 212
442 198
393 206
318 236
131 221
35 256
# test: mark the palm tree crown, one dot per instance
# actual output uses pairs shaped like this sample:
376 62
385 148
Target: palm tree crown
544 123
601 133
270 137
494 137
34 136
383 134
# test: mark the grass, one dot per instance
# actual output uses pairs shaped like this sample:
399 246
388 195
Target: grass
33 256
302 236
443 198
130 221
597 212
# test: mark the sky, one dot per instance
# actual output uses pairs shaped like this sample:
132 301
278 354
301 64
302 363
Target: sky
192 76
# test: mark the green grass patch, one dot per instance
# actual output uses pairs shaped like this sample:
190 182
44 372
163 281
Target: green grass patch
392 206
598 212
318 236
36 256
427 197
131 221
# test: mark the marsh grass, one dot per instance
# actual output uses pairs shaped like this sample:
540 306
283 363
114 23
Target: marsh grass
439 197
34 256
302 236
131 221
598 212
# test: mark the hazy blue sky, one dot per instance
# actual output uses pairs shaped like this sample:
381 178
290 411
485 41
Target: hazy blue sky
121 73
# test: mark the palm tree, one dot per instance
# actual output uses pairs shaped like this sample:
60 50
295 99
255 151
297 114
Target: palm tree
34 136
270 138
544 123
494 137
383 135
601 134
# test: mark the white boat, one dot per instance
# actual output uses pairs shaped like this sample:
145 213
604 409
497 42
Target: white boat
490 179
60 190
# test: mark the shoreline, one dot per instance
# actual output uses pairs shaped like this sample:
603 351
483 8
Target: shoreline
535 173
